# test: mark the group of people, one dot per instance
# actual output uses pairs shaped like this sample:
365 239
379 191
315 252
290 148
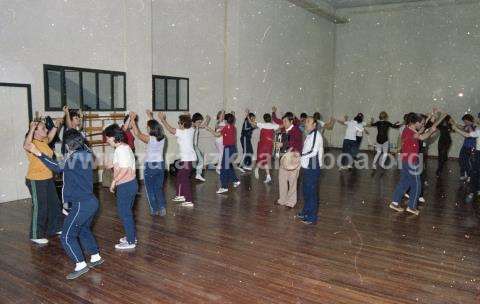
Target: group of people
297 143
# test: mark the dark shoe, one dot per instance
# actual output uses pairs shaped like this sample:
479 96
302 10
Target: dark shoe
95 264
76 274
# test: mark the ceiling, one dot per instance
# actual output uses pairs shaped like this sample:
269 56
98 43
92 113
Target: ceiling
358 3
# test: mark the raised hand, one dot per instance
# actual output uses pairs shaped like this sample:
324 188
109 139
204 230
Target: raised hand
58 122
274 109
161 115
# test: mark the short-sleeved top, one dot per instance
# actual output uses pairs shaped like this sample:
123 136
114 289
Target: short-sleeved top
185 144
219 128
36 169
410 146
123 157
382 130
229 135
155 150
354 129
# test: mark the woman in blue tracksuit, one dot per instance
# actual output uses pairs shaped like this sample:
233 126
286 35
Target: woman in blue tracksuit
77 168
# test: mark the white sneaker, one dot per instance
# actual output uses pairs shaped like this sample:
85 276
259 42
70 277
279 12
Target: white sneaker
413 211
248 168
236 184
200 178
218 171
406 195
241 169
178 199
125 246
267 179
65 212
421 199
186 204
40 241
396 207
58 232
462 178
222 190
124 240
257 173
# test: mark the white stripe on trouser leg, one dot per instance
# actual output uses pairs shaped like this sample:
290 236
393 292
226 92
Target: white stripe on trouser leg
148 198
68 231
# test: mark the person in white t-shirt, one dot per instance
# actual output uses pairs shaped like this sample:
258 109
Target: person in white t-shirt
184 134
350 142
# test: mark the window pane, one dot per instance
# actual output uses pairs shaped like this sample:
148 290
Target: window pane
172 94
89 91
183 102
159 94
72 88
54 92
104 91
118 90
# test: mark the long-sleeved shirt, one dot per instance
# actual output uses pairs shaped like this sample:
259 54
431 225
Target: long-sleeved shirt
77 171
312 151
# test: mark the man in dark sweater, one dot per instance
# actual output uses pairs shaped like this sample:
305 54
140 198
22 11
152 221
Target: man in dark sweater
246 140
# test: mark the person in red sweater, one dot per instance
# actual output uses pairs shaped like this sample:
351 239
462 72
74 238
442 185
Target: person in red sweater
229 136
291 145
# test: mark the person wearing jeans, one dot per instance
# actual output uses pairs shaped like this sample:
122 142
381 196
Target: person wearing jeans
412 167
475 171
311 161
351 146
468 148
124 184
77 168
184 134
227 169
154 170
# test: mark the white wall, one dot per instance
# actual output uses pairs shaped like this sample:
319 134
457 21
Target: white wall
402 58
272 53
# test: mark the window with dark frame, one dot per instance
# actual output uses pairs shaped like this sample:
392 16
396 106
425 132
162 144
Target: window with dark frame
88 89
170 93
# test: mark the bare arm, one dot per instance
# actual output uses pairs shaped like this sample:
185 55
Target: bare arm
213 132
163 119
206 122
136 131
54 130
343 120
68 122
28 140
329 125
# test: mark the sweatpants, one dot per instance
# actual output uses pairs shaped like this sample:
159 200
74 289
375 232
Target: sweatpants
247 151
227 171
47 217
154 176
409 180
200 161
184 187
77 233
126 193
310 194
